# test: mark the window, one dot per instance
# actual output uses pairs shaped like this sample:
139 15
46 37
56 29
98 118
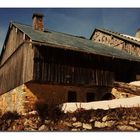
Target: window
108 96
90 97
72 96
137 77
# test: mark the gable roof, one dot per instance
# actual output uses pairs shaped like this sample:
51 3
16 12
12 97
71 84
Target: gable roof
128 38
71 42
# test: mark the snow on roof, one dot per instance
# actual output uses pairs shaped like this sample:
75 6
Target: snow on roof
131 37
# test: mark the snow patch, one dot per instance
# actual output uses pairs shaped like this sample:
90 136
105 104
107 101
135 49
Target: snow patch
135 83
109 104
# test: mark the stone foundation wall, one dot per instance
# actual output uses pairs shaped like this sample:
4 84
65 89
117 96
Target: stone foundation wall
13 100
23 98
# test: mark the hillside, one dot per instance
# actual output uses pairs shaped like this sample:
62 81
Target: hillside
119 119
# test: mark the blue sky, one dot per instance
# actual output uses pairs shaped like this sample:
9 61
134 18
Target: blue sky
78 21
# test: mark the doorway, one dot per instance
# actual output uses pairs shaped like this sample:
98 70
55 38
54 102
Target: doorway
90 97
72 97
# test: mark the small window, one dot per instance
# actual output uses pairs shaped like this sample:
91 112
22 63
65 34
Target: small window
90 97
108 96
72 96
137 77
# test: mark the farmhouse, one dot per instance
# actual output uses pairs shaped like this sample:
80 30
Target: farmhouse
53 67
122 42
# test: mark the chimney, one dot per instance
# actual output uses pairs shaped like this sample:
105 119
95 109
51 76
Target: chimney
38 22
137 35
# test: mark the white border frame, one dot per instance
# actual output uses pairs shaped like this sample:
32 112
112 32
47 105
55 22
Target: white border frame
70 3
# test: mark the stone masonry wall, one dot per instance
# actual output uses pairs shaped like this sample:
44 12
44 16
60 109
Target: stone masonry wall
116 43
23 98
13 100
18 99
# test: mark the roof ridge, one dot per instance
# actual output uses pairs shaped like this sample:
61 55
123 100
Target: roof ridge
82 37
108 30
15 22
46 30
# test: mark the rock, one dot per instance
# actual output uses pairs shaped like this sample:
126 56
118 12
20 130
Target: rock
105 118
132 118
74 119
9 122
99 124
74 129
33 112
137 125
29 123
61 121
52 122
127 88
43 128
87 126
109 123
109 118
47 121
122 122
126 128
91 120
18 128
77 124
24 114
132 123
94 118
14 127
38 119
67 124
29 129
51 129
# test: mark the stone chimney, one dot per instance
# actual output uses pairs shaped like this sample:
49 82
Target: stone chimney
137 33
38 22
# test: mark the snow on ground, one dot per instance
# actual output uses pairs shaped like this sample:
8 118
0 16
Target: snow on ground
126 102
135 83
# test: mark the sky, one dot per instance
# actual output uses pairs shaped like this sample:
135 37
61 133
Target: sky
76 21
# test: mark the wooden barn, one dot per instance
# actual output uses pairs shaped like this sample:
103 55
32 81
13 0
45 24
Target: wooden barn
119 41
59 67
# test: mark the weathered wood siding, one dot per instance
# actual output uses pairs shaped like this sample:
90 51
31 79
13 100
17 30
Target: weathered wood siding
18 69
14 39
116 43
59 66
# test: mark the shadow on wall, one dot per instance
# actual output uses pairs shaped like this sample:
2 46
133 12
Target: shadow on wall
45 100
55 94
46 94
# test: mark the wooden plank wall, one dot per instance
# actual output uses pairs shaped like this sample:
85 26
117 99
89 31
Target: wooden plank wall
126 71
15 38
18 69
64 67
